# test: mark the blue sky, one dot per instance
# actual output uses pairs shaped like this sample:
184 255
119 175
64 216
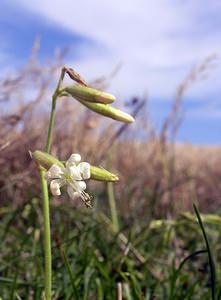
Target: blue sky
157 42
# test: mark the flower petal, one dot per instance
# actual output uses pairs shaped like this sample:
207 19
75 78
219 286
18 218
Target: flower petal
72 193
74 159
85 170
74 173
54 172
80 186
55 186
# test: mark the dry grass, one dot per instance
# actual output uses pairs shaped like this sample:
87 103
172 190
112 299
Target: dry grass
157 177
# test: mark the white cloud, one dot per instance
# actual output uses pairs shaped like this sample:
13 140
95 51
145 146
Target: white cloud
157 41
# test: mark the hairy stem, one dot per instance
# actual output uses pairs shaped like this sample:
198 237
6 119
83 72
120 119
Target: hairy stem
47 235
53 110
51 125
44 187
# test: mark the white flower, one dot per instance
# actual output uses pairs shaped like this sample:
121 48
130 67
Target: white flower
73 175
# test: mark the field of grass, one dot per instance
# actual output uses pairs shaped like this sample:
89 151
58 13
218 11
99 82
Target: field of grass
147 259
151 246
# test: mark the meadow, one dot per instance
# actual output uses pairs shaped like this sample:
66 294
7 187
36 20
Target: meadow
142 239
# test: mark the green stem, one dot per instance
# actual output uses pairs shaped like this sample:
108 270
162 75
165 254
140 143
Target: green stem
112 204
46 208
47 236
111 199
51 124
53 109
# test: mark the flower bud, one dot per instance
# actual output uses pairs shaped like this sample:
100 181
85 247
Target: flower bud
108 111
46 160
101 174
89 94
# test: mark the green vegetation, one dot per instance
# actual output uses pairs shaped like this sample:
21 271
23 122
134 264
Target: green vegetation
142 239
165 259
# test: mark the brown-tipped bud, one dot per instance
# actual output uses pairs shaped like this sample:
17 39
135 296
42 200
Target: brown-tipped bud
108 111
89 94
45 160
101 174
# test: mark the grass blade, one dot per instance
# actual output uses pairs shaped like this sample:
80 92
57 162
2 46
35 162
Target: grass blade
71 275
177 272
210 257
14 285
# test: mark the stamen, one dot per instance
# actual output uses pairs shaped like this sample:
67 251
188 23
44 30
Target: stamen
87 199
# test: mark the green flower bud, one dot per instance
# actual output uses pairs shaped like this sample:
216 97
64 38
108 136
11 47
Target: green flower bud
45 160
108 111
89 94
101 174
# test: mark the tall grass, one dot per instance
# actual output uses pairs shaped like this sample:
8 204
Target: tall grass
146 247
155 172
165 259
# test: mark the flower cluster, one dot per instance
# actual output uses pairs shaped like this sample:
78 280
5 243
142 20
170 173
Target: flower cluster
73 175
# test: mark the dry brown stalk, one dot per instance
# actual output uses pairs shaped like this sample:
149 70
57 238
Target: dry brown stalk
154 173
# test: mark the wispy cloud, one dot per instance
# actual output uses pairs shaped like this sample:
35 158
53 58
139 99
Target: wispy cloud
156 41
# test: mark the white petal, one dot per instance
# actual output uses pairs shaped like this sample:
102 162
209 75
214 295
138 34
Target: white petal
74 172
80 186
61 182
74 159
54 172
85 170
55 186
72 193
55 191
54 169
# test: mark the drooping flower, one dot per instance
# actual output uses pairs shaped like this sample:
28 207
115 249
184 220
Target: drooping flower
96 173
73 175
